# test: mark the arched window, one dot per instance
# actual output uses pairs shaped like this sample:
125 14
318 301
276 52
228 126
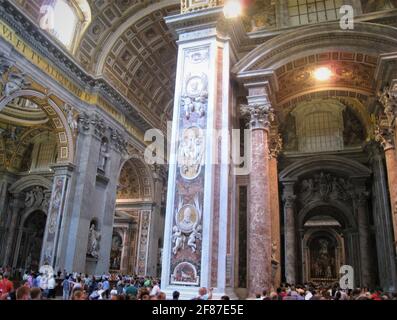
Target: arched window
303 12
319 126
65 20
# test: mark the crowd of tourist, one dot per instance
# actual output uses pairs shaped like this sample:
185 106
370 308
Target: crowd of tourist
323 292
36 286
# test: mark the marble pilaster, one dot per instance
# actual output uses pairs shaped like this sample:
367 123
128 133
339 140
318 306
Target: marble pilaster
55 217
361 204
17 203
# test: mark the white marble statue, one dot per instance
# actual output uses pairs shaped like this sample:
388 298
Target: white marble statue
193 237
93 242
70 117
103 156
178 238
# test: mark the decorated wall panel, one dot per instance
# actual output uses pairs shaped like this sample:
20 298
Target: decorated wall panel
187 222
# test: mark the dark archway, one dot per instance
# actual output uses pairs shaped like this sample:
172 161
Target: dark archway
30 241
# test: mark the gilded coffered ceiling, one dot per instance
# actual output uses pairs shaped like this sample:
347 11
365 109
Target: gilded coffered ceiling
353 71
129 44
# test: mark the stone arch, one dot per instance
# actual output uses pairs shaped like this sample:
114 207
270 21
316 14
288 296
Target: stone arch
64 135
336 164
30 181
142 174
341 213
367 38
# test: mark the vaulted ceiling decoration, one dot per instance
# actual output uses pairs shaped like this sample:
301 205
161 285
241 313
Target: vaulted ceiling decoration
142 63
349 71
134 182
129 44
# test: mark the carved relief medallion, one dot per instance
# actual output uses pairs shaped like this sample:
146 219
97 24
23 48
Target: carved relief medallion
191 151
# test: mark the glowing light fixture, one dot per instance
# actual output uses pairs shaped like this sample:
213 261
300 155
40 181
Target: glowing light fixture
322 74
232 8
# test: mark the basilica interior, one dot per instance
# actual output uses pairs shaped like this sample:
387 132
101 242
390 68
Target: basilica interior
114 157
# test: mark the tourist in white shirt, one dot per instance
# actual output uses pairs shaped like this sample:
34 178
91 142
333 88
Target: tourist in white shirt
51 287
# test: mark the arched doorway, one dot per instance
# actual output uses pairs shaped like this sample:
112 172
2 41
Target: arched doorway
323 248
35 136
138 223
332 204
30 241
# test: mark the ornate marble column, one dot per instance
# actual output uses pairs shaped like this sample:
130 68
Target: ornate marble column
17 203
275 145
289 232
260 114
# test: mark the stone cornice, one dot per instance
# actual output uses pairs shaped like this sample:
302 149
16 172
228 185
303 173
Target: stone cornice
45 46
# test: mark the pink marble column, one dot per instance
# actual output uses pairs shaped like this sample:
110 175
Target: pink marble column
386 133
259 220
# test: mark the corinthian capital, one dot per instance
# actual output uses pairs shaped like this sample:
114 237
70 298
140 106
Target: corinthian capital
388 99
259 115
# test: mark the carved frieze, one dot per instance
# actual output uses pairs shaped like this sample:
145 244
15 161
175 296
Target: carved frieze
325 187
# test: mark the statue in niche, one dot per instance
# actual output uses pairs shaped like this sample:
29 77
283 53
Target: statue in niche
103 155
72 122
377 5
93 242
353 132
